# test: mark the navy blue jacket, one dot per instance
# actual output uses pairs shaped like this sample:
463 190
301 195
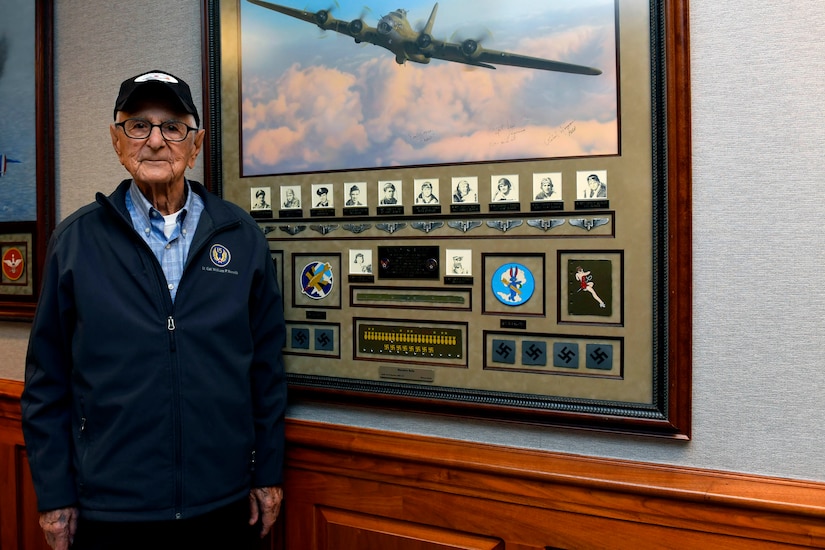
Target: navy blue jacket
137 408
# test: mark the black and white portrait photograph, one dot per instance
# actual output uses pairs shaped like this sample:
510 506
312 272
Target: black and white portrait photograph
360 261
355 194
426 191
547 187
389 193
504 188
459 262
465 190
591 184
290 196
261 198
322 196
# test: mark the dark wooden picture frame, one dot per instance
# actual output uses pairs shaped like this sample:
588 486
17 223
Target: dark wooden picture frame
31 236
669 413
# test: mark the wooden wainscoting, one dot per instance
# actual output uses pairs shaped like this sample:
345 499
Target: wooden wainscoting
19 526
350 488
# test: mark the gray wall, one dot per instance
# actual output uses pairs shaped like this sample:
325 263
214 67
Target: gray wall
758 138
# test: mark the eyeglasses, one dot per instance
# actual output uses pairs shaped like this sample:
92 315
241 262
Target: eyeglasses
171 130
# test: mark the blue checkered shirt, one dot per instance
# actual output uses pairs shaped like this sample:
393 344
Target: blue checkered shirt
170 251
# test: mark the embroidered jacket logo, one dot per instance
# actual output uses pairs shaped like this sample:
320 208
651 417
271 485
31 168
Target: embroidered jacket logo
220 255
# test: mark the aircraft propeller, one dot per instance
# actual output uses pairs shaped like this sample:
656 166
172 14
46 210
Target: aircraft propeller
471 41
356 26
322 16
425 39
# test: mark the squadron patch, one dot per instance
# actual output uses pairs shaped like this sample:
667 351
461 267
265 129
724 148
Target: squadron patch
513 284
220 255
13 264
317 280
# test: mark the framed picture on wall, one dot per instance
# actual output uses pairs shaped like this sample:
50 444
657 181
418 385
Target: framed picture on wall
26 153
507 115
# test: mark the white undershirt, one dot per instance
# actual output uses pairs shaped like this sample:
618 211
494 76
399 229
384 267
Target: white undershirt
169 223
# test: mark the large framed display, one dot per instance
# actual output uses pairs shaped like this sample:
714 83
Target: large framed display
476 212
26 152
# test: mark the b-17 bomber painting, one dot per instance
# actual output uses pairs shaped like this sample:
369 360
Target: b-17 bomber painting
336 87
394 33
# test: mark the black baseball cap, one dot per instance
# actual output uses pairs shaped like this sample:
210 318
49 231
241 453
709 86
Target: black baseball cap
157 79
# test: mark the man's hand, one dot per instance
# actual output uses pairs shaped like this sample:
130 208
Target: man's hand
265 503
59 527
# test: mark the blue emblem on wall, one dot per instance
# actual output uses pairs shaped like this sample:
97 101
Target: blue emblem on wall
513 284
317 280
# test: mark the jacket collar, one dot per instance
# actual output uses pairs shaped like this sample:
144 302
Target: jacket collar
219 213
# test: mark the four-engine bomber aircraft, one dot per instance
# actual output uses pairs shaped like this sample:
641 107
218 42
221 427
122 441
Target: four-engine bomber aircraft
395 34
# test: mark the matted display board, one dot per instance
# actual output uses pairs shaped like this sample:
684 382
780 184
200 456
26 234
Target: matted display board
480 212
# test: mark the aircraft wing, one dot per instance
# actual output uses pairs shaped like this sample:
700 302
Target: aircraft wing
470 52
308 16
356 28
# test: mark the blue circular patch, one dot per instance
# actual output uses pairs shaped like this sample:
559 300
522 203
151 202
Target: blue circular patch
220 255
513 284
317 280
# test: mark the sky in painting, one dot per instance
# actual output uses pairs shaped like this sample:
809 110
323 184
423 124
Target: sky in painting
18 186
315 100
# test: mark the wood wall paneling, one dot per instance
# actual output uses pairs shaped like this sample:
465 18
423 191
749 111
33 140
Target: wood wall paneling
536 500
19 527
352 488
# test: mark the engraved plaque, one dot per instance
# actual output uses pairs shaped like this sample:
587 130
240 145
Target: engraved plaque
592 205
546 206
408 262
390 210
287 214
461 208
401 373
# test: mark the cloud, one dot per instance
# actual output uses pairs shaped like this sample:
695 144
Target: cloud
560 46
271 147
572 139
440 99
313 111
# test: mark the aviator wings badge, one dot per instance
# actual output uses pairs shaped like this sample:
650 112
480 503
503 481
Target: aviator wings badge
587 225
545 225
464 225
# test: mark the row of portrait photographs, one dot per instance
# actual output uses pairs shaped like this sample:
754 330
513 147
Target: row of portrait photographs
463 190
458 262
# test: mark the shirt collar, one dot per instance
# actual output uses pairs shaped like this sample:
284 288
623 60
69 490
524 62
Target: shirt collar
144 208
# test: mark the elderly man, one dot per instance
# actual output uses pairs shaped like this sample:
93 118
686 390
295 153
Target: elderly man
153 409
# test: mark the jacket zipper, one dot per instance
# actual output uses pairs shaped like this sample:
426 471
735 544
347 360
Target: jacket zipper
171 327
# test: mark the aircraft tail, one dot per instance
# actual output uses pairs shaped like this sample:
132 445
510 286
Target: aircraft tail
428 29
